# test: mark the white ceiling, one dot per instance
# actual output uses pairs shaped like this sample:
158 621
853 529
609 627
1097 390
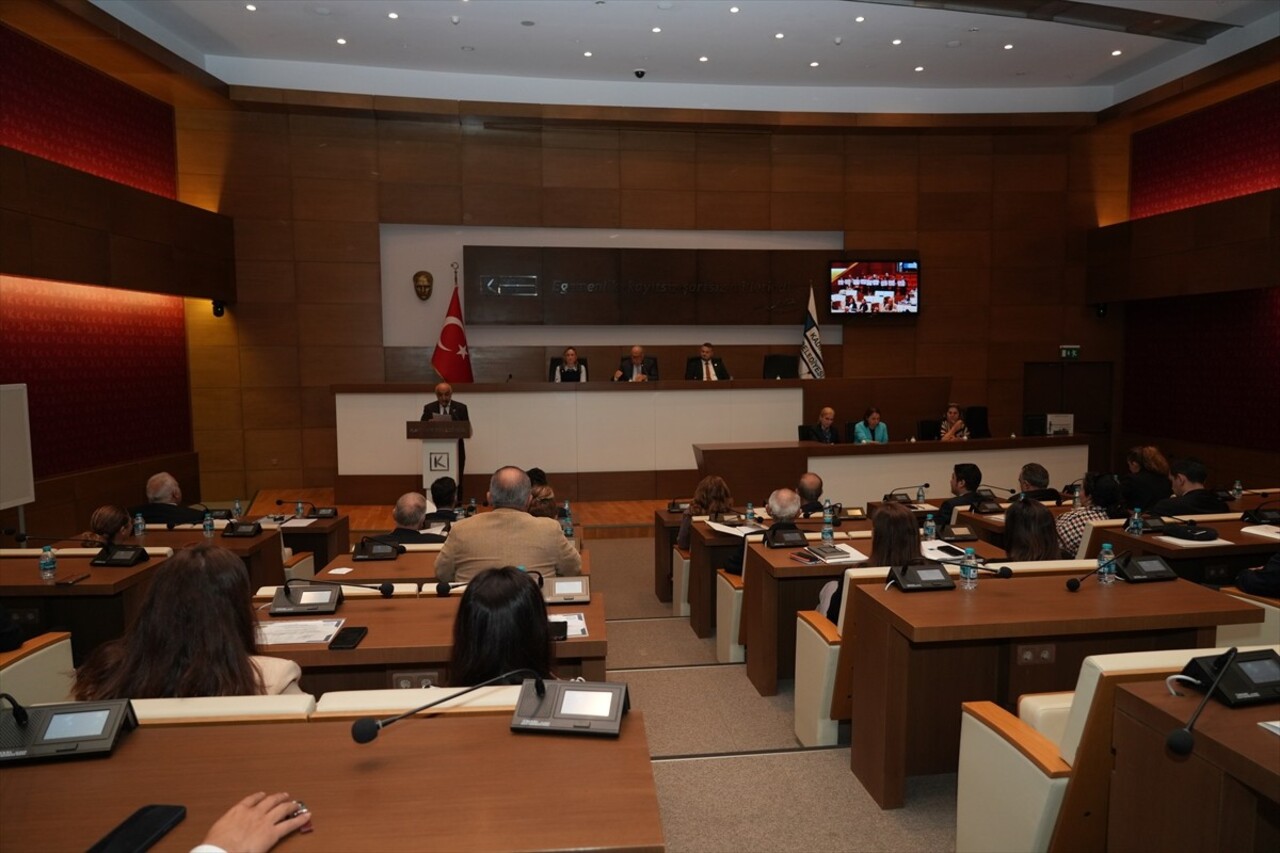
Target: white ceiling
531 51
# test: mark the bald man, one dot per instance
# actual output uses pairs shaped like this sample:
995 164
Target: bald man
448 409
637 367
164 503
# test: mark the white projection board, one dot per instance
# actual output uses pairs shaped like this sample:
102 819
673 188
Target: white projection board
17 485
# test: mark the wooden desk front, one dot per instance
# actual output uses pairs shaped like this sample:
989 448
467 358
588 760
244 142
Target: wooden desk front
417 633
94 610
774 588
919 656
409 567
666 527
444 783
1217 562
261 554
1225 795
326 538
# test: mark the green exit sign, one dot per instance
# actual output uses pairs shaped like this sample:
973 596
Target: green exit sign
1069 352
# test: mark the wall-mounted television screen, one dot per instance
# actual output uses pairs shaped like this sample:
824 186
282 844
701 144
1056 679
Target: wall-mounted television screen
875 287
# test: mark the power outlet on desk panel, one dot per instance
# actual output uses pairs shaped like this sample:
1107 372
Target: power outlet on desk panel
1031 655
417 679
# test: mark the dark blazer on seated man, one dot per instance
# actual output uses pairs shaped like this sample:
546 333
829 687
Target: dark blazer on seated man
156 513
405 536
1193 502
695 369
647 367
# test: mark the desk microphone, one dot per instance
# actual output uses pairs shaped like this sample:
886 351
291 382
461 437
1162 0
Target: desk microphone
1070 490
1258 515
386 587
20 537
1189 529
19 712
1182 741
384 540
366 729
283 501
1002 572
904 490
1073 584
999 488
443 588
1255 492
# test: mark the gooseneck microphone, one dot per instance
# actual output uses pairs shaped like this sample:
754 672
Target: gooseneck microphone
283 501
1182 741
1073 584
19 712
998 488
386 588
366 729
20 537
384 540
904 489
1001 572
1260 514
443 588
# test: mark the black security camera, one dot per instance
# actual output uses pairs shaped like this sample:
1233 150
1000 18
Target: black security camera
219 307
639 73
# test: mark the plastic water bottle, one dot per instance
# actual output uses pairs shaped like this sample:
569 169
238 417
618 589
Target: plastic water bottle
48 564
1237 490
1135 523
1075 496
208 525
297 510
930 528
566 527
471 508
567 512
139 526
969 570
1106 564
919 494
751 511
237 510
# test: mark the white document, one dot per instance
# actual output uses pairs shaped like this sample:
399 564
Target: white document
298 631
1192 543
926 508
932 550
298 522
851 555
736 531
1270 531
1272 726
341 571
577 623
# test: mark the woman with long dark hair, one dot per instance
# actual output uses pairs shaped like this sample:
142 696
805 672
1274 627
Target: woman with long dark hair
1147 482
195 635
895 541
710 497
501 625
1029 533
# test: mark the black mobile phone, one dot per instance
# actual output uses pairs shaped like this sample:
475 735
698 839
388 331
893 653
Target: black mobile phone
348 638
951 550
140 830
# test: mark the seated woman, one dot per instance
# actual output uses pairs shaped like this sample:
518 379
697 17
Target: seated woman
569 369
953 428
107 526
501 625
542 502
1147 482
895 541
870 428
1100 499
1029 533
195 635
710 497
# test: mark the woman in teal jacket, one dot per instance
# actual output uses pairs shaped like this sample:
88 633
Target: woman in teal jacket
870 428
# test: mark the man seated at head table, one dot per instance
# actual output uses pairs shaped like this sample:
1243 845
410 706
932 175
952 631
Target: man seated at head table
409 512
508 536
706 366
784 506
444 494
164 497
1188 476
637 367
825 429
1033 482
810 491
965 479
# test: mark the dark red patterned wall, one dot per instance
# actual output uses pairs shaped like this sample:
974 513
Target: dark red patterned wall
1204 368
56 108
1220 152
106 372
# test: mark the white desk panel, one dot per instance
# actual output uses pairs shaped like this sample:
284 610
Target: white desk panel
371 433
617 431
529 430
765 414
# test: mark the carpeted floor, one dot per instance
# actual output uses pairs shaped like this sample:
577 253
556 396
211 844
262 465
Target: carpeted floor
729 772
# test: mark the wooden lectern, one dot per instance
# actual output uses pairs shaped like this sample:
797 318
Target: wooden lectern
441 446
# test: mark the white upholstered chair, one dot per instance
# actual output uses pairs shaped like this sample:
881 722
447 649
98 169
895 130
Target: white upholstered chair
679 582
283 707
40 670
729 618
348 704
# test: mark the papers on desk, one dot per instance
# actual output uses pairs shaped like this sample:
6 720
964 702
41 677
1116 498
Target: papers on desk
577 623
298 522
742 530
1272 726
1270 531
826 553
925 507
340 571
298 631
438 529
1192 543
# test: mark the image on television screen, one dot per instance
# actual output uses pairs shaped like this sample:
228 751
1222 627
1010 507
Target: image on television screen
875 287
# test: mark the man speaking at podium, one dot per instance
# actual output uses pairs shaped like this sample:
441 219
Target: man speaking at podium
445 408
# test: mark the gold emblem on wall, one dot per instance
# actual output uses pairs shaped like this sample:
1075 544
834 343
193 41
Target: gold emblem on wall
423 281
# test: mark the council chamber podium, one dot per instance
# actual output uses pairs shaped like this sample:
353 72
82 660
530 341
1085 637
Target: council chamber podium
441 447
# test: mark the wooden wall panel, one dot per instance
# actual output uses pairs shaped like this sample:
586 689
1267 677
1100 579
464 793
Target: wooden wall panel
271 408
658 170
657 209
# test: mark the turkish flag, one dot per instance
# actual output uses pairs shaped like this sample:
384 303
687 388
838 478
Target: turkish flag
452 360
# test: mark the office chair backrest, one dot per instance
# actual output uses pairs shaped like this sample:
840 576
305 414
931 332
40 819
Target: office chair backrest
781 367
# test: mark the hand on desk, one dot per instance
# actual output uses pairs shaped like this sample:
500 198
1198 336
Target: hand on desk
257 822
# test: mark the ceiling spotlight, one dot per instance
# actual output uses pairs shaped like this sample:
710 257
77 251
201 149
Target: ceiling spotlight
859 19
733 10
587 54
393 15
250 7
919 67
657 29
813 65
839 40
702 59
896 42
779 35
466 48
1116 52
342 41
1008 47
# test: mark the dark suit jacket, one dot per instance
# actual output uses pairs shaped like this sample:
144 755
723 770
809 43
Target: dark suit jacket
441 515
457 411
810 508
813 432
944 512
693 368
167 514
405 536
649 367
1194 502
1043 495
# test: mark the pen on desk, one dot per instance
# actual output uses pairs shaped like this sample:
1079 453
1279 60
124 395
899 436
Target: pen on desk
76 579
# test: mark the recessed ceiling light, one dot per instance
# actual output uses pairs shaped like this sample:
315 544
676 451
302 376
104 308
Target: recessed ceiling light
954 43
466 48
523 23
919 67
322 10
813 65
1116 52
587 53
342 41
702 59
733 10
657 29
859 19
896 41
393 15
250 7
779 35
1008 47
